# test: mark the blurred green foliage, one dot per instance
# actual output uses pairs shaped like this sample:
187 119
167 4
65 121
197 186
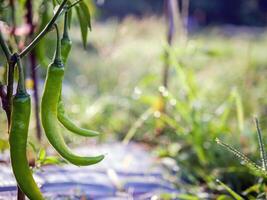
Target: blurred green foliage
202 12
217 84
216 87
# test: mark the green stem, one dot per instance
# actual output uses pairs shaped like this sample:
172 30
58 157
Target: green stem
11 65
57 57
21 82
66 31
4 47
44 31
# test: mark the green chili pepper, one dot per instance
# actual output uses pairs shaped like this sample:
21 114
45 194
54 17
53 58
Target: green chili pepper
65 41
68 124
20 118
49 105
62 116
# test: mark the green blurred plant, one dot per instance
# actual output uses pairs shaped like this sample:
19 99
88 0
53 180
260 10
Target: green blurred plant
258 170
261 170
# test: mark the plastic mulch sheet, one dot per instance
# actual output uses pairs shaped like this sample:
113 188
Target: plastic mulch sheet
127 172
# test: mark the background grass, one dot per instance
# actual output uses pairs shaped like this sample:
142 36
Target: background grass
217 86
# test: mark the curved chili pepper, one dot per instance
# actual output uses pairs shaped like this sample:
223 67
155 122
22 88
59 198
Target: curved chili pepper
49 105
68 124
62 116
20 118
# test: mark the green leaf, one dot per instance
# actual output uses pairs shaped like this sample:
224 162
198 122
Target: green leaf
86 13
187 197
3 144
52 160
42 154
56 9
55 3
232 192
22 3
224 197
253 188
33 146
83 25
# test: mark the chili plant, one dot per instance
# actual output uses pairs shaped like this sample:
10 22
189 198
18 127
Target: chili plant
18 107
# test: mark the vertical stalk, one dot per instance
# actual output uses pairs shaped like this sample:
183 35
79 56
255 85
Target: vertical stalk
36 98
21 195
169 8
11 62
3 96
5 47
57 56
66 31
185 14
169 13
10 80
21 81
34 74
13 18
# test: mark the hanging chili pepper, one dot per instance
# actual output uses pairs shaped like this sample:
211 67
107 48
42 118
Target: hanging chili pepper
20 118
49 111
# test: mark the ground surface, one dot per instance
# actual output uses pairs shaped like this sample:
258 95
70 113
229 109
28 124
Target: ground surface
128 172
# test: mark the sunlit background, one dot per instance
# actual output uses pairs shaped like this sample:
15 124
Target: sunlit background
217 84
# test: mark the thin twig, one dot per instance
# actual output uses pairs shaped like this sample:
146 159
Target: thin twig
4 47
43 32
3 96
74 4
138 123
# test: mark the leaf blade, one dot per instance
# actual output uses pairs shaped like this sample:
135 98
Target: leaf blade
83 25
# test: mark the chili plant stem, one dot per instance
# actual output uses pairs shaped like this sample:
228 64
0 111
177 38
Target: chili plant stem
43 32
3 96
66 32
4 47
74 4
11 65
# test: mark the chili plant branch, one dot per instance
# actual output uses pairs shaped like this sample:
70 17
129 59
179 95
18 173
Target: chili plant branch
43 32
74 4
4 47
11 59
3 96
